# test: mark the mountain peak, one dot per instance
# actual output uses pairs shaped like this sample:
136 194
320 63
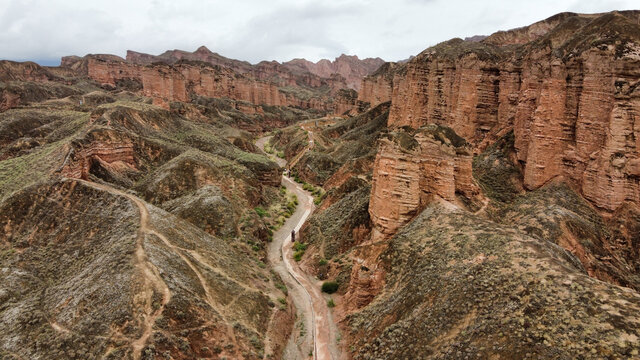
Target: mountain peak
203 49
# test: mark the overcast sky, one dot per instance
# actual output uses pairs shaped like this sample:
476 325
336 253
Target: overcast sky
255 30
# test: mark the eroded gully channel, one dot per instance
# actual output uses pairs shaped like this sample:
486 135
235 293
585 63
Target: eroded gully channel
319 337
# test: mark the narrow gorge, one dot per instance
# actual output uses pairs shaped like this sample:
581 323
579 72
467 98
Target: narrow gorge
480 200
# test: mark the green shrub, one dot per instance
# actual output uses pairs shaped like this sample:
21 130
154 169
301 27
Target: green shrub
282 288
330 303
260 211
322 262
329 287
282 300
299 249
280 154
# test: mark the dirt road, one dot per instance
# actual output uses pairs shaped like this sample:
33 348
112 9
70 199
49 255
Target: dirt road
306 296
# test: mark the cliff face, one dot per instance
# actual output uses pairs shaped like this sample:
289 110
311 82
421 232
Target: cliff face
378 87
166 83
344 72
349 67
177 75
201 54
412 169
569 93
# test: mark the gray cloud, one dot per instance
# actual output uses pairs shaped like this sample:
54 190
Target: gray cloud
257 30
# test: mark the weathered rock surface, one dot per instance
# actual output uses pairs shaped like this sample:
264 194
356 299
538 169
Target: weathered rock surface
296 77
349 67
566 87
412 169
179 82
378 87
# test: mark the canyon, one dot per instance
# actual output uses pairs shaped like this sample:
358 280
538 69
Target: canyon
479 200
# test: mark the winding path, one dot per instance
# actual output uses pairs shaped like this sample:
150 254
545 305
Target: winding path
153 281
305 294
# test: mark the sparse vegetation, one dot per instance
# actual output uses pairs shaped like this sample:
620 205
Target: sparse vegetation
260 211
299 249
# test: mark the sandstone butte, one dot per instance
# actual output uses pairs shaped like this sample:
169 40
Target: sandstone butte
573 106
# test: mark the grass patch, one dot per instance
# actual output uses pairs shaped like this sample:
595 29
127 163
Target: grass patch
261 211
299 249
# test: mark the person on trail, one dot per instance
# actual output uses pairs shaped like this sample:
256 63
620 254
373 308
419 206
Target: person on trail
293 236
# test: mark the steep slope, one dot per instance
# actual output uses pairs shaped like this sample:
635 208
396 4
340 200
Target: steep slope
129 230
173 290
459 286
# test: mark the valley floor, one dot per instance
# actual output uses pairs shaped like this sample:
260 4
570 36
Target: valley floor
313 313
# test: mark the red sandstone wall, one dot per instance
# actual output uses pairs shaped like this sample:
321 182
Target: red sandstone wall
573 118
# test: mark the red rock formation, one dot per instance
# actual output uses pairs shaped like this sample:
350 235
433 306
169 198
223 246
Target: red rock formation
8 100
349 67
573 106
105 148
269 71
163 84
109 72
378 87
23 71
291 73
345 102
411 170
201 54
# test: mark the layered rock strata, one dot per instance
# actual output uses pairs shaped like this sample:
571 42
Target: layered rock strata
412 169
567 87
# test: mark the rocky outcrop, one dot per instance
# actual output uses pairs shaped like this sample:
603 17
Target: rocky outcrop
106 149
460 286
569 92
23 71
349 67
167 83
201 54
346 102
344 72
378 87
413 169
